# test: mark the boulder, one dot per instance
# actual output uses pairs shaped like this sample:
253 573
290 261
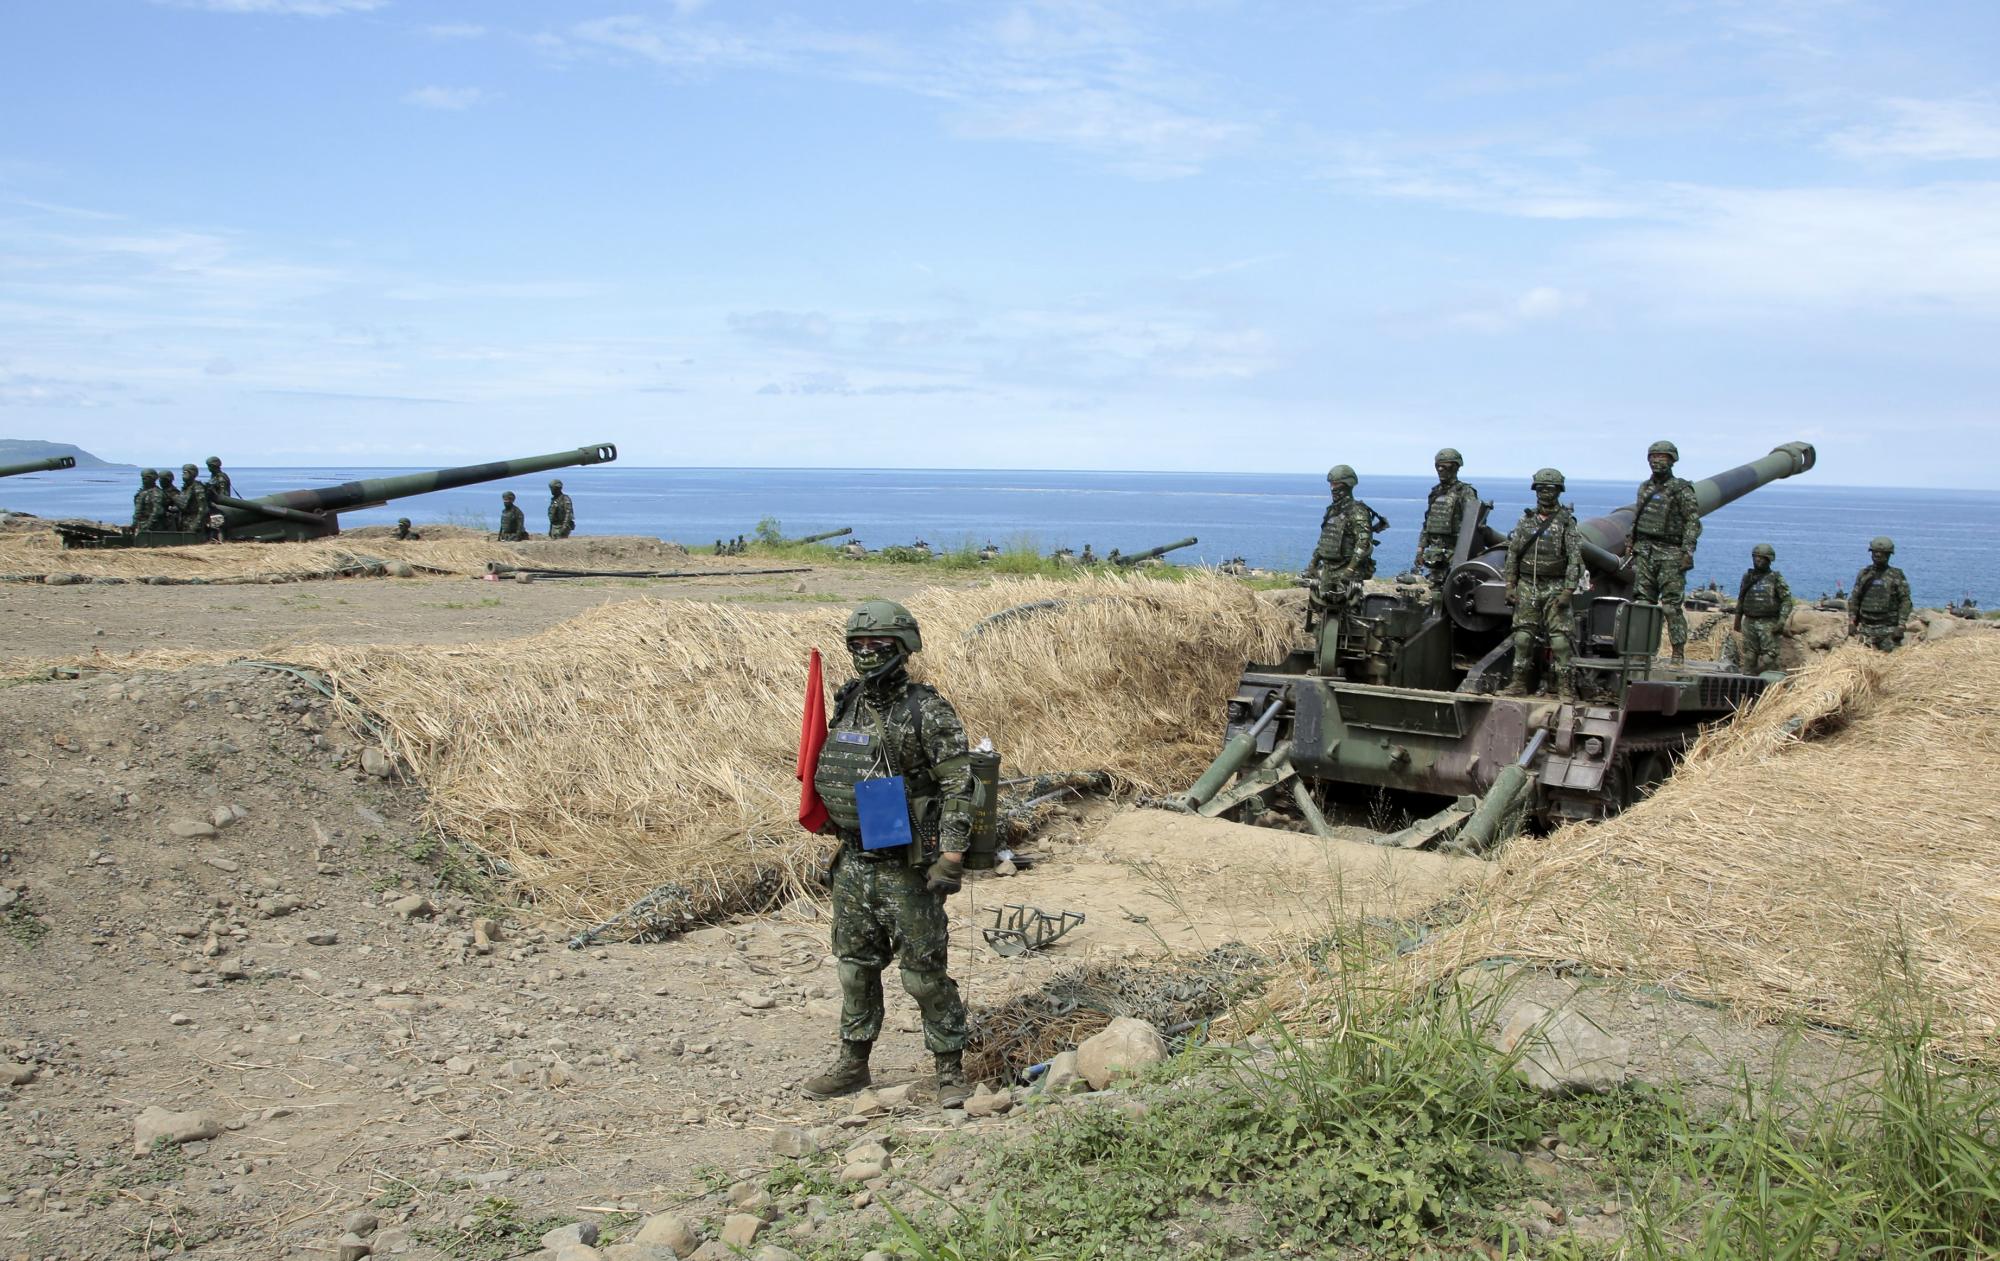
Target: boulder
664 1230
1126 1047
1561 1052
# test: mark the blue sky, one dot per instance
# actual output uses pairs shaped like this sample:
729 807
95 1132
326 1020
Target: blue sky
1163 235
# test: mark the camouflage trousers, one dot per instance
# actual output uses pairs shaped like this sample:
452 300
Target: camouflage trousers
1434 561
1881 636
882 911
1757 645
1542 616
1657 578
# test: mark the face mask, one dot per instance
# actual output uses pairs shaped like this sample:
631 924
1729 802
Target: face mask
872 663
1546 497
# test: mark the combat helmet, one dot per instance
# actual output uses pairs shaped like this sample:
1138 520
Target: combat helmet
215 461
1663 447
1547 477
1882 543
556 485
1342 474
507 496
889 619
1448 455
149 475
1763 551
189 470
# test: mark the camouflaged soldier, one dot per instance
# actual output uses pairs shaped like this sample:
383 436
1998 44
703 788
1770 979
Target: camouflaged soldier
194 507
1544 568
1665 526
1089 557
1344 557
1451 503
218 481
1880 606
169 515
890 902
562 512
1763 610
513 526
146 500
404 531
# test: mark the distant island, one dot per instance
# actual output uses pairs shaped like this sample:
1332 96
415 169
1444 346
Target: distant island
21 450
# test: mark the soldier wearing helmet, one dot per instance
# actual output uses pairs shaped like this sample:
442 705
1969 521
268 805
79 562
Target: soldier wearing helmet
169 515
1451 502
513 526
1665 525
1544 567
562 512
1763 610
194 502
405 531
218 481
1879 608
889 901
1345 555
146 500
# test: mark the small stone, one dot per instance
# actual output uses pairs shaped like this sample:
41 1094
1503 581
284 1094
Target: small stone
352 1247
757 1002
156 1124
224 864
988 1103
377 763
413 906
866 1103
1005 867
577 1252
739 1230
324 937
667 1231
772 1252
221 817
639 1252
190 829
1062 1075
793 1142
460 1066
894 1096
180 1018
12 1074
574 1233
862 1170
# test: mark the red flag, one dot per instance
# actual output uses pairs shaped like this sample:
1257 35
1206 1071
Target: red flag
812 737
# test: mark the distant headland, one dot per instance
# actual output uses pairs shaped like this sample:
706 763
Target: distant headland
21 450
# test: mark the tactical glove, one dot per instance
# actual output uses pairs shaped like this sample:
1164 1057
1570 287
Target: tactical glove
945 876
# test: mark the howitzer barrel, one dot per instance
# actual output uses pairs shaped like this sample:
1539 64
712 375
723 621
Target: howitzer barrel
1476 596
1151 552
821 537
49 465
322 503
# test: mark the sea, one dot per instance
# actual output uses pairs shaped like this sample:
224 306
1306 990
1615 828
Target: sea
1945 539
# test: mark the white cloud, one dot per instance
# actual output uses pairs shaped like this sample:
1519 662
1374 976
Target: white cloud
1963 130
306 8
434 97
1543 302
456 30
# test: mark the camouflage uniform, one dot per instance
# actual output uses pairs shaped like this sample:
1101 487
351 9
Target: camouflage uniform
1451 502
513 526
218 481
1544 567
1763 609
562 513
1665 526
146 500
1345 553
404 530
1880 606
167 515
194 507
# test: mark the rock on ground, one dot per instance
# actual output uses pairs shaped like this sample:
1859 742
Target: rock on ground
1126 1047
1560 1051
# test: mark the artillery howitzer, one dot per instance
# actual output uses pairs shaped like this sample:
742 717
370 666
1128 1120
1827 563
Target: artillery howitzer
50 465
822 537
296 515
1140 558
1400 693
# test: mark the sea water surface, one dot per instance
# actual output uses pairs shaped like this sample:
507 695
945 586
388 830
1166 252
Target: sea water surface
1945 539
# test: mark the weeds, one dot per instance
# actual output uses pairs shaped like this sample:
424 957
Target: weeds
22 924
493 1231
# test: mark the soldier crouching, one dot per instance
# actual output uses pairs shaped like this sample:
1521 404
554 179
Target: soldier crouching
890 901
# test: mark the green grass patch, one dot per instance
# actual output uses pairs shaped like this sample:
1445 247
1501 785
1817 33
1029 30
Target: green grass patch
492 1232
22 923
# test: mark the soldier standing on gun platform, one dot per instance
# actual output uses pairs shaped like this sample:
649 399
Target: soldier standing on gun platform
1763 610
218 481
886 900
1665 526
513 526
1451 502
1544 567
169 515
1345 553
1880 606
562 512
194 508
146 500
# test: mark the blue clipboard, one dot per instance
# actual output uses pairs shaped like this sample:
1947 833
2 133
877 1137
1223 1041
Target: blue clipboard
885 812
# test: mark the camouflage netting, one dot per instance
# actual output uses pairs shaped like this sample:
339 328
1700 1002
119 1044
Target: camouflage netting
1836 841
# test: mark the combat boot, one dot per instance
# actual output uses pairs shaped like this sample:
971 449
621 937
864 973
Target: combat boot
848 1074
1566 688
952 1088
1680 657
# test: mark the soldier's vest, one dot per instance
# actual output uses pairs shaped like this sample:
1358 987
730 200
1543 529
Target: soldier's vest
1759 596
1342 529
1545 549
860 744
1875 595
1441 518
194 507
218 484
1659 515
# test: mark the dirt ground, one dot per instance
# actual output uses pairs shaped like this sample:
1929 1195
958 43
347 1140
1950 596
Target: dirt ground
210 907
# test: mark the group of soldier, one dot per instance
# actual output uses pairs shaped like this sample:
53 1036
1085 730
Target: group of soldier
162 506
1544 567
562 515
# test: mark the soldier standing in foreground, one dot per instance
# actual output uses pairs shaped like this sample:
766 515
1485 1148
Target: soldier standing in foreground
562 512
887 901
1345 554
1763 610
194 507
1544 566
1451 502
513 526
218 481
146 500
1665 526
1880 606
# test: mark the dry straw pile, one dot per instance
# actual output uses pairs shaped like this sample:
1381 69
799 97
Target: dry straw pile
1842 836
37 553
652 742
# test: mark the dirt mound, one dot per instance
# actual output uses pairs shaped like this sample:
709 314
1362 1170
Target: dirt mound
37 555
1835 841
